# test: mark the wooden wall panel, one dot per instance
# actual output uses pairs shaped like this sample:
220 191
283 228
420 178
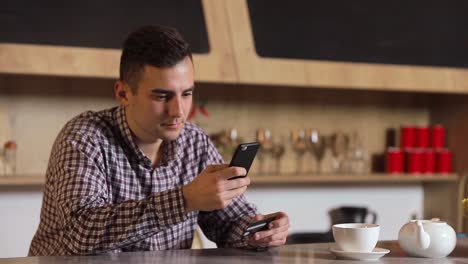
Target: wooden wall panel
452 112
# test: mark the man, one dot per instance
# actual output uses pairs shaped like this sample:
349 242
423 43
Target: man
138 176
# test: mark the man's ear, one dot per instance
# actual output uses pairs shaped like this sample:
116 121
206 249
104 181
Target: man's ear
121 92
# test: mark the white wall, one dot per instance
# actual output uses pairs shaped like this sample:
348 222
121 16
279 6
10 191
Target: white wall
19 218
308 206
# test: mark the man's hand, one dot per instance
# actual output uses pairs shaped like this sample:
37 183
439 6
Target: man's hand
276 233
212 190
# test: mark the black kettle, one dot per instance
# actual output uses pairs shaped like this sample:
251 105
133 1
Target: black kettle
352 214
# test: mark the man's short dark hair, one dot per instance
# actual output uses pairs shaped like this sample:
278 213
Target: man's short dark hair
157 46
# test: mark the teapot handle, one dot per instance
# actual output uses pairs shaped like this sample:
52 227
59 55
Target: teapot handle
423 239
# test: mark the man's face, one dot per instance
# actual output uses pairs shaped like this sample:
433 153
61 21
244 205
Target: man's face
162 101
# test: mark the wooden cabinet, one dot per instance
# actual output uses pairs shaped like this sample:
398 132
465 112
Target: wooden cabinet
257 69
232 56
85 58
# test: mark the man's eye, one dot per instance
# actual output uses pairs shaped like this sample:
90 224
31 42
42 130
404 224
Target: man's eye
161 97
187 94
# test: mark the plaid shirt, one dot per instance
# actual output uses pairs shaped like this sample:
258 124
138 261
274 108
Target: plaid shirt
102 193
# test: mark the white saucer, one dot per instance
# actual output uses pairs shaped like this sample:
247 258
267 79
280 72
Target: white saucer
374 255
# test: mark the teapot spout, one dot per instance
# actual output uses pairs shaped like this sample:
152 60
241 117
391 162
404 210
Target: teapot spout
422 238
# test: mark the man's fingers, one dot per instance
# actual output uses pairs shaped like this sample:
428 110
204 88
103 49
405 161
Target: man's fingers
275 235
281 236
230 172
216 167
269 241
237 183
258 218
231 194
281 219
271 232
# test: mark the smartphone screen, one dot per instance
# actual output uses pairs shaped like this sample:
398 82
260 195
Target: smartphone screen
244 156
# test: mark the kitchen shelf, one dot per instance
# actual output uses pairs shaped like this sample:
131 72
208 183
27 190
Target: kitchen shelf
38 180
352 179
22 180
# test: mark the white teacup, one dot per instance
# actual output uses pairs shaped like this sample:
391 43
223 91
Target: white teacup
356 237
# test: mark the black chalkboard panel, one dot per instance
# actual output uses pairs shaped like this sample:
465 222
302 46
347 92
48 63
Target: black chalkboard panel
98 23
412 32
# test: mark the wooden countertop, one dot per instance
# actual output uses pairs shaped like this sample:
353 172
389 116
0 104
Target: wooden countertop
302 253
39 180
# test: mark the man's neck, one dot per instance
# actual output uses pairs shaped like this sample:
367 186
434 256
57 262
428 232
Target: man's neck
152 150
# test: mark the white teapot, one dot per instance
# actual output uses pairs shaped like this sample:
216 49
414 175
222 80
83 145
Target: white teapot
427 238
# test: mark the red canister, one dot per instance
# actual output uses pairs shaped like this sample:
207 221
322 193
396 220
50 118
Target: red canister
429 163
394 160
414 160
438 136
422 137
443 161
407 137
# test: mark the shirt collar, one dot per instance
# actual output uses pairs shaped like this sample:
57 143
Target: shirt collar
170 149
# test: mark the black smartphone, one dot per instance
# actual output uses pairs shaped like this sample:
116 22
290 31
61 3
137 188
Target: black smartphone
258 226
244 156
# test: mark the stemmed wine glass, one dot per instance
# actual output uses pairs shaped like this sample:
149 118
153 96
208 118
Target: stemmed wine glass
226 141
277 152
266 146
339 147
299 144
317 146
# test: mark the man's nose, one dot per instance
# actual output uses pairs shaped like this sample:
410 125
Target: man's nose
175 107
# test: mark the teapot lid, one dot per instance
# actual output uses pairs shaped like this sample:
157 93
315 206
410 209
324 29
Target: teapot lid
432 221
